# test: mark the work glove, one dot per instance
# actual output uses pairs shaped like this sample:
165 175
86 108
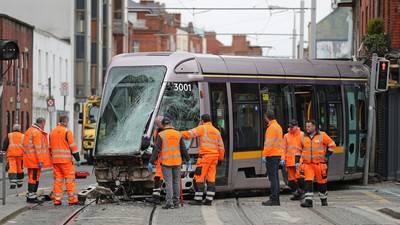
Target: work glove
297 166
78 163
40 164
282 163
264 159
150 167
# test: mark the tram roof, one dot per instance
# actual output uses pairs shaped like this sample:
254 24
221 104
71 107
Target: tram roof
236 65
262 66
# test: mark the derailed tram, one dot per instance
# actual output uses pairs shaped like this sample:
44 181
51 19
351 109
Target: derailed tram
235 91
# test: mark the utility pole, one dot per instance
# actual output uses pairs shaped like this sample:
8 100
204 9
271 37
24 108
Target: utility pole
18 96
88 46
313 30
294 40
50 111
301 41
371 116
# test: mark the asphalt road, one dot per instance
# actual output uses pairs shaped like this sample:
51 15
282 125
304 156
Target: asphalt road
348 204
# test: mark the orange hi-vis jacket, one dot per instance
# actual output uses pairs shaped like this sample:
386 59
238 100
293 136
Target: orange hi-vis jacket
15 148
170 151
36 148
314 148
210 140
273 143
292 146
62 145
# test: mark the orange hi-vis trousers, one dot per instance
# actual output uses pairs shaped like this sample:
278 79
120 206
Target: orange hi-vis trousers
206 169
15 172
64 171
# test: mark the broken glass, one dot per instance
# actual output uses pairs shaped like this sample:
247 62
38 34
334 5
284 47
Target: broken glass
129 98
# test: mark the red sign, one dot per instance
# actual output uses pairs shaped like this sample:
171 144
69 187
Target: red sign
50 102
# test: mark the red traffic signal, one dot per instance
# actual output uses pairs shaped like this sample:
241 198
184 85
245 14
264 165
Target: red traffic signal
9 50
382 80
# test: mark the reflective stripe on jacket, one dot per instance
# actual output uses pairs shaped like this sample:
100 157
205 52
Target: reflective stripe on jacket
293 145
36 148
15 144
170 151
210 140
273 143
62 145
314 148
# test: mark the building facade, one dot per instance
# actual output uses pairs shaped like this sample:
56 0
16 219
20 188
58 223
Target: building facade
52 59
239 46
16 109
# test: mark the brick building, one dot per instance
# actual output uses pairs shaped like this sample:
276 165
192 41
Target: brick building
388 10
21 32
239 46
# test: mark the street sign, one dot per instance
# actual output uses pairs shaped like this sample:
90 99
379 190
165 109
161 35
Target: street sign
64 89
50 105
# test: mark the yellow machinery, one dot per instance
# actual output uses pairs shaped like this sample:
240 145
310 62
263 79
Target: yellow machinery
88 118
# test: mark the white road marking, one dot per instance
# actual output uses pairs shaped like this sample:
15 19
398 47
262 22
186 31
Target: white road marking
210 215
282 215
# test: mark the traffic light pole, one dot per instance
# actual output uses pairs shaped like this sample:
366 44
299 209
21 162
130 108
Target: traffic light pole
371 116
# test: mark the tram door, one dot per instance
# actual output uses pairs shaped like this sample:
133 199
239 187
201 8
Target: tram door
305 104
220 119
356 128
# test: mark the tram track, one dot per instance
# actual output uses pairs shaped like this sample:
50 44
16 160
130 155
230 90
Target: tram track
242 213
68 220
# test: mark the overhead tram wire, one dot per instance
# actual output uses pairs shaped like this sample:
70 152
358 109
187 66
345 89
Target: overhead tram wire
216 8
244 34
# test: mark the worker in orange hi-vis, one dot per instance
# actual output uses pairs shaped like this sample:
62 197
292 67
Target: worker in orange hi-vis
211 152
36 156
12 146
63 148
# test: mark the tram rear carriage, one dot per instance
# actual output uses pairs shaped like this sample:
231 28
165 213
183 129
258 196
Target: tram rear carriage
235 91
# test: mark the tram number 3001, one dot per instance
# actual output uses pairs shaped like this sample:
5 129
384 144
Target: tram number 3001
182 87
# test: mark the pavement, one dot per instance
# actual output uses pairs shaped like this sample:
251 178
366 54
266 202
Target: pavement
349 203
16 202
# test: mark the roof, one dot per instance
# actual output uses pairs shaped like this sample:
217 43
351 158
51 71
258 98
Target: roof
138 7
5 16
242 65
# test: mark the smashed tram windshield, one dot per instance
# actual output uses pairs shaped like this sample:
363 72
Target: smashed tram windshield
129 99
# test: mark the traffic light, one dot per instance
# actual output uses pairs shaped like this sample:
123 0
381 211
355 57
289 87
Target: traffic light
382 79
8 50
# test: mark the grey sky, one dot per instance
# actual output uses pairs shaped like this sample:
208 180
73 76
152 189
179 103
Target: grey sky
251 21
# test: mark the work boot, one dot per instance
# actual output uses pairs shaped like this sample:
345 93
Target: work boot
195 203
168 206
307 203
153 200
13 186
19 185
271 203
324 202
207 202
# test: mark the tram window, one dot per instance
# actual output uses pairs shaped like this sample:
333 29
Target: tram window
304 104
247 117
330 111
273 98
178 98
